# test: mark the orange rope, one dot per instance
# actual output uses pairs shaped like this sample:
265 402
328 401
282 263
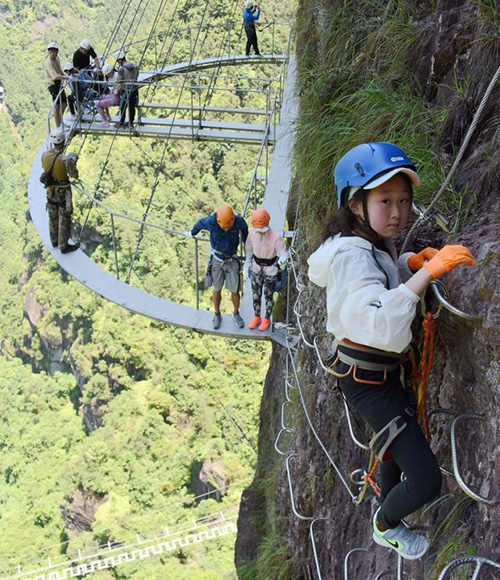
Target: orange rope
371 481
429 325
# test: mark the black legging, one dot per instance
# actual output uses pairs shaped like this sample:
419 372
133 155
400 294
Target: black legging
132 100
251 38
411 454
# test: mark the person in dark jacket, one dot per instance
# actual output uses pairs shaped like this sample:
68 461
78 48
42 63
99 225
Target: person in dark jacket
251 13
82 56
225 230
127 89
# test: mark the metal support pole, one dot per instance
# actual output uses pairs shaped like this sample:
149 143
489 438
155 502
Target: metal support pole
196 274
114 245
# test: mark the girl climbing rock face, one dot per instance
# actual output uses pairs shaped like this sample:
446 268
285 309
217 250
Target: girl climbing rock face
371 302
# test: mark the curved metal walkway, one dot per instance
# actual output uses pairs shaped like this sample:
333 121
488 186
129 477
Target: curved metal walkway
83 269
202 64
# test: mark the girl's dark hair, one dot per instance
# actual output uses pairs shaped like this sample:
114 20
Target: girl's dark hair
344 221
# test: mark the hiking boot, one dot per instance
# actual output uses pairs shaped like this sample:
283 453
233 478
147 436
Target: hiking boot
216 320
254 322
408 545
264 325
238 320
69 248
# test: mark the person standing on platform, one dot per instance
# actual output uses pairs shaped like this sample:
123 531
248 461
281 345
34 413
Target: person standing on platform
225 229
127 88
60 168
251 13
81 59
77 96
55 75
265 253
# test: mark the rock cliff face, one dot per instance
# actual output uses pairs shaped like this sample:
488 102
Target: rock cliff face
466 373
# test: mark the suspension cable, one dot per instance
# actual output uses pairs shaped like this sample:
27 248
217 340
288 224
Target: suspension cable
458 159
167 141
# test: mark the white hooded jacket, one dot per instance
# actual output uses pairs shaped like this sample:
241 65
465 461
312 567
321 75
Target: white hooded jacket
364 304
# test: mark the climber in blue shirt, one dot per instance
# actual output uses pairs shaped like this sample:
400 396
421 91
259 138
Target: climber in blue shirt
224 267
251 13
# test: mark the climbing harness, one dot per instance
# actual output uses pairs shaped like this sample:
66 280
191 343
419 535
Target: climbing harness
382 440
265 261
360 357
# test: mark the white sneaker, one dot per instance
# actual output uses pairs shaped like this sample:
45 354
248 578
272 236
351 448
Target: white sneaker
408 545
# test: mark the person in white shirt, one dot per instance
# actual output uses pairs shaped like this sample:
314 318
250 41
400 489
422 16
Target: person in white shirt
371 301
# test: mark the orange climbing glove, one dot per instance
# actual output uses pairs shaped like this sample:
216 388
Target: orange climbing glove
448 258
416 261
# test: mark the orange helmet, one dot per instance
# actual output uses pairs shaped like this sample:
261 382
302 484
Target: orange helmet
260 218
225 217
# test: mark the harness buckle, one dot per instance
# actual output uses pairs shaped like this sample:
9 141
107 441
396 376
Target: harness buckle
332 371
366 381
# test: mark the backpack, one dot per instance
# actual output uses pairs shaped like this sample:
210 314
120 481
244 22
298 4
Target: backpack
46 178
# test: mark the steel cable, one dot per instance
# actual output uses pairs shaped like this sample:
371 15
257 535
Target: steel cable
458 159
167 141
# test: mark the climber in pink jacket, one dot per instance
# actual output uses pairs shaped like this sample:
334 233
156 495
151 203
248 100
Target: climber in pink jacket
265 252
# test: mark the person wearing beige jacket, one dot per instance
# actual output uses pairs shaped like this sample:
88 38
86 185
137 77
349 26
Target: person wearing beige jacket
55 75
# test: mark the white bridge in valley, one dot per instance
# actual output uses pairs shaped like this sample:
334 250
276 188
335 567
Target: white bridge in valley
114 555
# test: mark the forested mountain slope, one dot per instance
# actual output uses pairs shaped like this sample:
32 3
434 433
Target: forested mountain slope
413 73
107 418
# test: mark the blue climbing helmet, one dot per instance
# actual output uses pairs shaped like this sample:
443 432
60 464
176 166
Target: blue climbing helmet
369 165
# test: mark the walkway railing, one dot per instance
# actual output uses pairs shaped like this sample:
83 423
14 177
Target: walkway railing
111 555
58 555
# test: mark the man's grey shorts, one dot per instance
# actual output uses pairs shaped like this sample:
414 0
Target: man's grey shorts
229 272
